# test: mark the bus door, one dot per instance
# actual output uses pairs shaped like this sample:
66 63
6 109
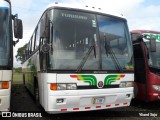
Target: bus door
140 68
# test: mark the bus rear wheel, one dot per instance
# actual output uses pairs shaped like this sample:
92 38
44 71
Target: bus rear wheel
23 79
36 95
36 92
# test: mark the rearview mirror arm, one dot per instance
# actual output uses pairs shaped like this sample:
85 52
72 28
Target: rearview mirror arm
15 42
14 16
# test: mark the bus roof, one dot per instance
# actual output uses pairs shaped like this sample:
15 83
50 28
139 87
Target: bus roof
86 8
7 1
145 31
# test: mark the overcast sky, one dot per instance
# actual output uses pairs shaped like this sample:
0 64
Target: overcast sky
141 14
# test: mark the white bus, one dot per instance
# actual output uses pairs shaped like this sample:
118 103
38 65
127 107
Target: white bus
79 59
6 51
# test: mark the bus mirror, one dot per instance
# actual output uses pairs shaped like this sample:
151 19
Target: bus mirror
152 44
18 28
140 38
45 48
45 32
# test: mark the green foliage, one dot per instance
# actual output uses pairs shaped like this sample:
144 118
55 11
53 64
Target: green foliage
20 52
18 70
17 78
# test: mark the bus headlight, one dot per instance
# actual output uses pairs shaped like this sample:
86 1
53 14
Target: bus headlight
71 86
156 87
61 86
68 86
126 84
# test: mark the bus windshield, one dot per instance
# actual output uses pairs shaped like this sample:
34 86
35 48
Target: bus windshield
4 36
154 57
74 33
115 43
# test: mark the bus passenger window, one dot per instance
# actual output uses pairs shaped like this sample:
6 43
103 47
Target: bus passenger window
37 36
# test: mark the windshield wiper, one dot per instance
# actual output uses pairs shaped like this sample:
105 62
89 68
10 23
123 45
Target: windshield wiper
79 68
109 50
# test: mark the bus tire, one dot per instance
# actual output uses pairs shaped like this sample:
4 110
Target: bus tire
36 93
135 90
23 79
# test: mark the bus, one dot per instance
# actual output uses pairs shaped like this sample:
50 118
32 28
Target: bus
6 51
79 59
146 45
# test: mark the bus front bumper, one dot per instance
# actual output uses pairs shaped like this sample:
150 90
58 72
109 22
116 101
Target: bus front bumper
4 102
154 97
87 100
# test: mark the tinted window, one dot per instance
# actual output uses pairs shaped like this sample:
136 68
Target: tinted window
74 34
33 41
115 44
37 36
154 57
4 36
75 41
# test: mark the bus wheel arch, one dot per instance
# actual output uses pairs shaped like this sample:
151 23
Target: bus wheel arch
135 90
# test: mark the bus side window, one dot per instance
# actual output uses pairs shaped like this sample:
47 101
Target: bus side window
42 26
33 42
51 17
29 48
37 36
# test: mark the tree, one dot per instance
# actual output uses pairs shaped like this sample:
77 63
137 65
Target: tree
20 52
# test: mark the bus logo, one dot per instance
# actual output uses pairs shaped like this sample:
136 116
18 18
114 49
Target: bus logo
6 114
100 84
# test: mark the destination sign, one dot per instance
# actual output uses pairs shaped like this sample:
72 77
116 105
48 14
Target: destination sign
74 16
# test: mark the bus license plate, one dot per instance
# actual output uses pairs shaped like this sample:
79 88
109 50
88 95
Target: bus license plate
98 100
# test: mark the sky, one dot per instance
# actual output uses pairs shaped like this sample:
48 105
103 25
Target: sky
140 14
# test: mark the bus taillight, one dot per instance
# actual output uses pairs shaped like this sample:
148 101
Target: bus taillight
4 85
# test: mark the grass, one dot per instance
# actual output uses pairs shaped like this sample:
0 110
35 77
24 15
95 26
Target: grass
17 78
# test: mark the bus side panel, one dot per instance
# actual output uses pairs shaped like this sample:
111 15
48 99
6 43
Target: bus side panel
43 80
27 74
5 94
30 72
41 88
